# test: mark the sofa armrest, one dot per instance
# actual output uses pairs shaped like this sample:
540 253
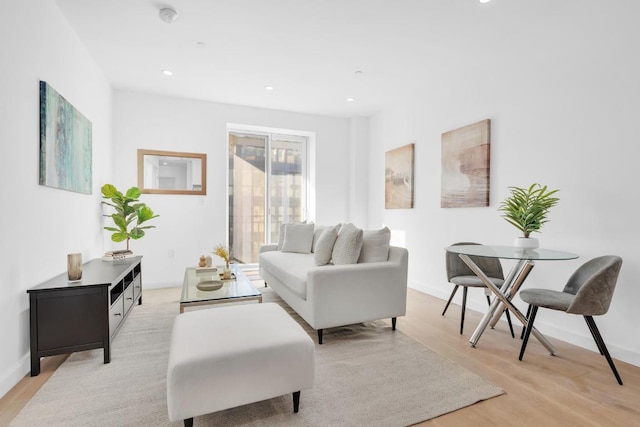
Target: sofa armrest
269 247
378 289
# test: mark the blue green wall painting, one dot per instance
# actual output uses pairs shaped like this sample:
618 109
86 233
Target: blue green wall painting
65 143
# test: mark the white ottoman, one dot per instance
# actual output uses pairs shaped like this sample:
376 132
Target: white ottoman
229 356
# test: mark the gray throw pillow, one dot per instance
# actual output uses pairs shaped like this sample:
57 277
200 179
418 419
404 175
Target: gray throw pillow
324 245
346 250
298 238
375 245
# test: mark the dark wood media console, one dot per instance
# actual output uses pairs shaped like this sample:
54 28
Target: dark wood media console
67 317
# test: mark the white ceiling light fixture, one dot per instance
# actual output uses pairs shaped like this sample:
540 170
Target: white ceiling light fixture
167 72
268 87
168 15
484 1
351 99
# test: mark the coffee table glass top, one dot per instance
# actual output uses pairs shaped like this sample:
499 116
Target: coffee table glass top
237 288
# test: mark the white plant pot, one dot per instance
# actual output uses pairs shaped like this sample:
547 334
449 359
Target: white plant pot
526 242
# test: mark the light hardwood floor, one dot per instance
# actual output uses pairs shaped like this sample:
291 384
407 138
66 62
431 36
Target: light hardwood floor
574 388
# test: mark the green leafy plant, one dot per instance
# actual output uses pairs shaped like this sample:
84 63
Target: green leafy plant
130 212
527 208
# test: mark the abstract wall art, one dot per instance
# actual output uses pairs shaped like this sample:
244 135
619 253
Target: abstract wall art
465 166
398 192
65 143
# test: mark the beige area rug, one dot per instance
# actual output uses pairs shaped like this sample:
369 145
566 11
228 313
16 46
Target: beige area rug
365 375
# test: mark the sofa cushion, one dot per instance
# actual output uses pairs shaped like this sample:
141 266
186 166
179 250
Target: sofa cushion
318 232
298 238
375 245
290 269
346 250
283 229
324 247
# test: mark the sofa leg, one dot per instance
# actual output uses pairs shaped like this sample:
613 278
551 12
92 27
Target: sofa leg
188 422
319 336
265 284
393 323
296 401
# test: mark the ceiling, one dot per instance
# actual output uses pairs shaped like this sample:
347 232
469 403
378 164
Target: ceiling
314 53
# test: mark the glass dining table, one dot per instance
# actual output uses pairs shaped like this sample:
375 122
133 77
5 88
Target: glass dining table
525 261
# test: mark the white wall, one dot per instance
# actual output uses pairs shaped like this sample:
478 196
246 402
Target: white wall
190 226
41 225
563 99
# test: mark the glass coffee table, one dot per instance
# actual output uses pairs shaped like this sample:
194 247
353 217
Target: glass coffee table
202 286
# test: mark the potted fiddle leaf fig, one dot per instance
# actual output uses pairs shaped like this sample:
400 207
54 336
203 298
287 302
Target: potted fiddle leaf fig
130 213
527 209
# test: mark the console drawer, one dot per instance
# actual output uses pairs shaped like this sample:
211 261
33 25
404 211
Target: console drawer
137 287
128 297
116 314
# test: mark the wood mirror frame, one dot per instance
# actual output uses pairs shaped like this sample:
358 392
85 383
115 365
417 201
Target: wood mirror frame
180 172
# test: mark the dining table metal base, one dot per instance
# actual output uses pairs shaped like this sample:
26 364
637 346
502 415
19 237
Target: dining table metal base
502 301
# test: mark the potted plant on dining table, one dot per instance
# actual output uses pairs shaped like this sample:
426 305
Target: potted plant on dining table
527 209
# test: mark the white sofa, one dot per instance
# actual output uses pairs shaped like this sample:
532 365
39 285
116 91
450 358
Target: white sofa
335 295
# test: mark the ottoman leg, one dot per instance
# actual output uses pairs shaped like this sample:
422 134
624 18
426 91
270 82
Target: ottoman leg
188 422
296 401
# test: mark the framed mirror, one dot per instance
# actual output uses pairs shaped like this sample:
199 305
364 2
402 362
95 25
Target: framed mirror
170 172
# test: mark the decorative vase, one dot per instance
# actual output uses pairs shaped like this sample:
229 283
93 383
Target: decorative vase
203 262
526 243
74 267
226 272
208 261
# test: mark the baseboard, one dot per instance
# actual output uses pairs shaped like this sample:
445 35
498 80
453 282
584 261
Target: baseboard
477 303
15 374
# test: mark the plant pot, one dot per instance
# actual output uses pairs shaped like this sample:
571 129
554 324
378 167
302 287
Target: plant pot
526 242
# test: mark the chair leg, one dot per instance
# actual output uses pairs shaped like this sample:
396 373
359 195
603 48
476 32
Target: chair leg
509 322
455 289
464 306
595 339
602 346
527 333
527 316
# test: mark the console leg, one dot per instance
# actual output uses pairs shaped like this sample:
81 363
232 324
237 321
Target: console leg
35 364
296 401
319 336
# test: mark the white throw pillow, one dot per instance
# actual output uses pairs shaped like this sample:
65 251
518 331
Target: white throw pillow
298 238
346 250
318 232
283 228
375 245
324 245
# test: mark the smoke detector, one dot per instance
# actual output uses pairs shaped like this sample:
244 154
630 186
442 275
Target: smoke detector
168 15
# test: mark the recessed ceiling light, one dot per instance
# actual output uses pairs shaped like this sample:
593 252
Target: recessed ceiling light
167 72
350 99
268 87
201 44
168 15
484 1
359 72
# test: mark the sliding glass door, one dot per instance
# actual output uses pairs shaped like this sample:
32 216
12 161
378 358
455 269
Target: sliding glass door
267 187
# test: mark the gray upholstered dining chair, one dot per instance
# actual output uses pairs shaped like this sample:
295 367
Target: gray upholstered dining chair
588 292
460 274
